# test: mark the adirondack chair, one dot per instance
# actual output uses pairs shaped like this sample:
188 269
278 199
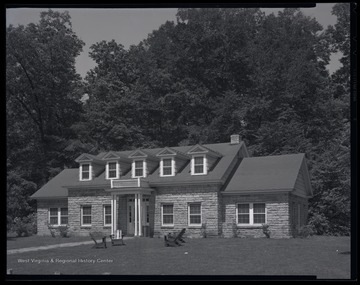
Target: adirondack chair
174 240
117 241
97 236
180 235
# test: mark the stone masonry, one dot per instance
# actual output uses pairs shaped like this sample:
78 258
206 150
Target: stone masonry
43 213
96 198
180 197
277 206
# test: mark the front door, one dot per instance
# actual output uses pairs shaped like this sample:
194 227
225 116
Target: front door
131 215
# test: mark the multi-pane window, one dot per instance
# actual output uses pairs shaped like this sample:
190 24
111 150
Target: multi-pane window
86 215
167 214
85 171
64 216
198 165
167 169
138 168
112 170
58 216
107 215
259 213
195 214
251 213
54 214
243 214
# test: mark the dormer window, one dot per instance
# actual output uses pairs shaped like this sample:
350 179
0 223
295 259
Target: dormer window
85 172
112 170
202 159
138 168
198 165
167 167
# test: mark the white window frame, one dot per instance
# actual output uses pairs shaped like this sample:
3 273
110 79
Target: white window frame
81 171
203 156
189 205
162 167
58 216
82 215
104 214
162 215
251 214
133 168
108 170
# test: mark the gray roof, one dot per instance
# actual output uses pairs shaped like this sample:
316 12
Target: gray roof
266 173
56 187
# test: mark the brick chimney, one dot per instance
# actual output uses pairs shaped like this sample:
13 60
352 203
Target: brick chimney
234 139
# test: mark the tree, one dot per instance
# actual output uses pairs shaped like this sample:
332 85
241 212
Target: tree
43 94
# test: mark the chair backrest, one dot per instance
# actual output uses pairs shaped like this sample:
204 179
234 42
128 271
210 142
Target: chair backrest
181 233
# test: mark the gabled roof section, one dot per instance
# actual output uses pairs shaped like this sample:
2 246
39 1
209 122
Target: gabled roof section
200 149
139 153
167 151
267 173
85 157
110 155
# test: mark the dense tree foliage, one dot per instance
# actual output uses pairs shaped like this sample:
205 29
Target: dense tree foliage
42 102
213 73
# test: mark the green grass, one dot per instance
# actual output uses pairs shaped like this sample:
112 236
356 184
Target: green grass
212 256
31 241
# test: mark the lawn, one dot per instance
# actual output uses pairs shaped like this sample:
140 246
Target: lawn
318 256
31 241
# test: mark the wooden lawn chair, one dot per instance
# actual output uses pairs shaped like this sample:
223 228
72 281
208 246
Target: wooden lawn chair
97 236
117 241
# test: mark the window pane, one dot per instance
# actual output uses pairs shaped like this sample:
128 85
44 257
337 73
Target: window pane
199 169
64 220
53 211
112 173
64 211
259 208
86 220
53 220
167 209
243 208
259 218
138 164
195 209
107 210
167 219
108 219
167 162
86 210
199 160
112 165
85 175
85 167
243 219
138 172
167 171
195 219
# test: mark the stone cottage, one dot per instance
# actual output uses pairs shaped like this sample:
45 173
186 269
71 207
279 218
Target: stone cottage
215 189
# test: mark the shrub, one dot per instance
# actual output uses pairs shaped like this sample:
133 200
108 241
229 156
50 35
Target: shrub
305 231
234 229
25 226
64 231
203 230
266 230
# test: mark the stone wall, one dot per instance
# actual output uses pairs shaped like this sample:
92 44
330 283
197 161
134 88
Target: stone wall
43 213
277 206
180 197
96 198
294 202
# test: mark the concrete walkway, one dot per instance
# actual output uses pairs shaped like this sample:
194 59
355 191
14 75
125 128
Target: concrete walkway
36 248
